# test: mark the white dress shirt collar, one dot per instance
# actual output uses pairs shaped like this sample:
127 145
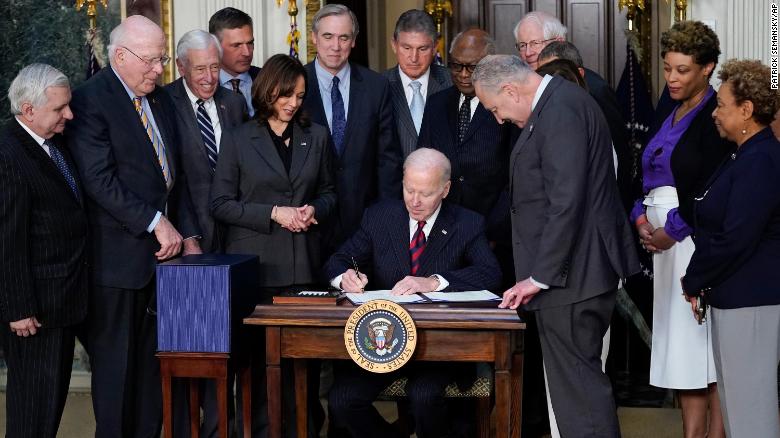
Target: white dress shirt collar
542 86
428 224
408 91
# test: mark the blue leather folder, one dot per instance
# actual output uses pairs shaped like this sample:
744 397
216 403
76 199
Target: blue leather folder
201 299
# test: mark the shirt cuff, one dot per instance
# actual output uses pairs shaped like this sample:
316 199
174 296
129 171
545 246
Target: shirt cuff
443 283
150 228
638 210
676 227
336 282
539 285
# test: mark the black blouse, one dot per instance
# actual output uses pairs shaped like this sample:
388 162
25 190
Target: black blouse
285 152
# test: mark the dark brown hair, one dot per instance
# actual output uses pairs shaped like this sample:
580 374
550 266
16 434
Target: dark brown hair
277 78
565 69
692 38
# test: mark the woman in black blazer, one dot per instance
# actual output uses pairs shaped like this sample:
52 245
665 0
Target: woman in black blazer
273 180
736 265
683 152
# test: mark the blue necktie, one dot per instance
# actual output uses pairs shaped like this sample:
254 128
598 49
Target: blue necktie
339 118
207 132
416 247
62 165
417 106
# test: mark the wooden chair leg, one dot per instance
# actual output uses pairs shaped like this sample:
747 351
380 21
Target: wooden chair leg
222 401
194 407
484 406
245 376
167 401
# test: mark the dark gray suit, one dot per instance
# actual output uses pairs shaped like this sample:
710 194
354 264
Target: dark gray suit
251 178
438 80
569 232
231 109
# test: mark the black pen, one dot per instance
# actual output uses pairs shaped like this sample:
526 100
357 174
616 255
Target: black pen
357 271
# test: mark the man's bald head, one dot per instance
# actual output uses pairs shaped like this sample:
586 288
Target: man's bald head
134 30
466 50
137 53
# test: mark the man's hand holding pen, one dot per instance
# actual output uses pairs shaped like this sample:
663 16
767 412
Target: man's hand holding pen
353 281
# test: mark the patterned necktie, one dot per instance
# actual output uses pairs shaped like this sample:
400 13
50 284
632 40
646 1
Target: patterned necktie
417 106
416 247
62 165
464 117
339 118
207 132
235 84
159 147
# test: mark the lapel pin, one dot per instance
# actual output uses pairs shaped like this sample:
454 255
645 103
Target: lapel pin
303 143
531 128
222 106
444 232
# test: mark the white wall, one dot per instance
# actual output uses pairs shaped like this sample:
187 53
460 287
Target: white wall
271 23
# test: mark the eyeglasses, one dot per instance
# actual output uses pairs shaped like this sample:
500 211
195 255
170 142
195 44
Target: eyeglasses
458 67
163 60
535 44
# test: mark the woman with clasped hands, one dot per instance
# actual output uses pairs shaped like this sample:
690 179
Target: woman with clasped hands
736 265
683 152
273 180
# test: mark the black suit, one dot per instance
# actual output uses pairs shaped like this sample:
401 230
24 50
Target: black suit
125 188
370 166
457 250
569 231
438 79
231 109
231 112
43 245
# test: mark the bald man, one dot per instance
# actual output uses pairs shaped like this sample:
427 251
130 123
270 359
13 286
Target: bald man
123 138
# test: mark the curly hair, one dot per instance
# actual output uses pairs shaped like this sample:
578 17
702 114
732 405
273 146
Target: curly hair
277 78
750 80
692 38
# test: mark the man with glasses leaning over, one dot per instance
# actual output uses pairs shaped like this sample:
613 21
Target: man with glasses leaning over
124 141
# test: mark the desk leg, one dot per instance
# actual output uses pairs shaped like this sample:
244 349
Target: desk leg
274 379
301 396
194 407
503 384
222 399
166 398
517 385
245 376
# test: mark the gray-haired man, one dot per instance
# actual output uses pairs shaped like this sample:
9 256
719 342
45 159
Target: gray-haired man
43 232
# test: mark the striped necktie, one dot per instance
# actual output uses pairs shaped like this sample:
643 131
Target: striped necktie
207 132
416 247
159 147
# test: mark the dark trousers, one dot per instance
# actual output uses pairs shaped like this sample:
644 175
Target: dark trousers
581 394
39 369
354 390
126 388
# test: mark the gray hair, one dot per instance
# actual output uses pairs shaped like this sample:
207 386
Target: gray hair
494 70
415 20
561 50
551 26
485 39
334 9
429 159
134 26
29 86
196 40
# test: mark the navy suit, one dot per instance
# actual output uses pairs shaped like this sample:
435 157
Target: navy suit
44 273
457 250
370 165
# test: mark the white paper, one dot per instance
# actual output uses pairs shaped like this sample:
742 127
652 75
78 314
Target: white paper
453 297
360 298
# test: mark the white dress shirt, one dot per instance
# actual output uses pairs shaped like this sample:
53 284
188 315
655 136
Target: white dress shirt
409 91
211 109
38 139
474 102
325 81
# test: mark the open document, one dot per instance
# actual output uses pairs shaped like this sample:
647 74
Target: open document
461 297
360 298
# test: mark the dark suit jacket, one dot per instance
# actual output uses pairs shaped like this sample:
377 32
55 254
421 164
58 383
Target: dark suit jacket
122 178
254 71
695 156
231 109
43 235
480 174
738 229
438 80
456 249
250 179
370 166
607 100
569 229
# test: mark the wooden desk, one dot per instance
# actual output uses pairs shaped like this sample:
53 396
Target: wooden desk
445 333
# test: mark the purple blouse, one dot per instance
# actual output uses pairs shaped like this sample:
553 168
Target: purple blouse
657 166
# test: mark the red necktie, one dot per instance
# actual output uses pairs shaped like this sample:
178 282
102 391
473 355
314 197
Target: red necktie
416 247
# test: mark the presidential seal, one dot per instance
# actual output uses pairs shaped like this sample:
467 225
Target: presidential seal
380 336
